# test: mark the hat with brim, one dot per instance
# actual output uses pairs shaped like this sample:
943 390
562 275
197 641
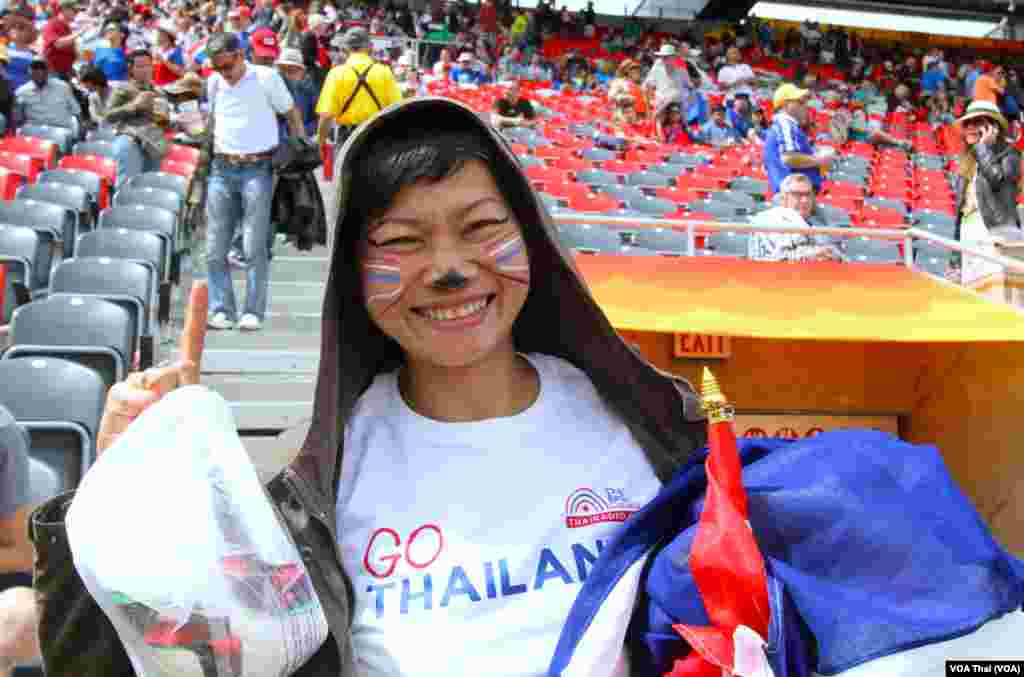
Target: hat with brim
167 26
984 109
666 50
786 93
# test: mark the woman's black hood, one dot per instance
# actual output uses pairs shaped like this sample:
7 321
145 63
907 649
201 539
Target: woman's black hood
559 318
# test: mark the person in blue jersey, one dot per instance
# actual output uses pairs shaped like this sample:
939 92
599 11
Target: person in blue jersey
6 92
20 53
466 72
787 149
109 55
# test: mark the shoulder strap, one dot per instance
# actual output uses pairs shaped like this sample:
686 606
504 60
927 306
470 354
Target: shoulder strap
361 83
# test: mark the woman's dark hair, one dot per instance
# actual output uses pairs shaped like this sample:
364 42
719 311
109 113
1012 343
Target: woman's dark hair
134 55
93 75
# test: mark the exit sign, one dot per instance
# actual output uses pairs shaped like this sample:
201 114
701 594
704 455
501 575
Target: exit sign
702 346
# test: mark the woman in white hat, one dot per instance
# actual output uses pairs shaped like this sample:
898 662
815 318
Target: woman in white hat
666 82
987 184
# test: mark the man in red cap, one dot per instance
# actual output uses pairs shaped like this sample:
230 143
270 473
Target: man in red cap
59 40
263 47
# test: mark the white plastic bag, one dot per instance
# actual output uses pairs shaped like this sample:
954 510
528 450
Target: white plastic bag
175 538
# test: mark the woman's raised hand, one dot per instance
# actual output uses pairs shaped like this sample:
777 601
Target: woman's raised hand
130 397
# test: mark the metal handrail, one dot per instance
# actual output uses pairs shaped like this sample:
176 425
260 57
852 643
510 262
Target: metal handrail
905 235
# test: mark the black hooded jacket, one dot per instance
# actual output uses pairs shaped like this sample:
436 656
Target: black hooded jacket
559 318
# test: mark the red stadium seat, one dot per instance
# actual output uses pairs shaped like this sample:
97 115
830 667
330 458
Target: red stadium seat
572 164
566 189
547 174
182 169
103 167
180 153
552 152
593 203
520 148
622 166
26 165
33 147
646 156
681 195
9 184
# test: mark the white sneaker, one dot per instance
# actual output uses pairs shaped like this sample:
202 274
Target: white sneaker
250 322
220 321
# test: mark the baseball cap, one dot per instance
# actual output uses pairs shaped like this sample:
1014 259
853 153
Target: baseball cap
357 38
264 43
788 92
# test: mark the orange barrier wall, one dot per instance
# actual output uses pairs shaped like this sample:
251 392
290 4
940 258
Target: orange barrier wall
964 395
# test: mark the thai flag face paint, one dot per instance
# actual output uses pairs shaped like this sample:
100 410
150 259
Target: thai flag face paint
507 256
382 278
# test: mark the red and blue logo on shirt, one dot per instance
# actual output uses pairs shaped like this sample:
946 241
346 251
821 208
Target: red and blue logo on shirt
585 507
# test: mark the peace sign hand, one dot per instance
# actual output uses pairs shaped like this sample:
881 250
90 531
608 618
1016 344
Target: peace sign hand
130 397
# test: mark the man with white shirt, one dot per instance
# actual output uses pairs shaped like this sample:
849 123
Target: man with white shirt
735 76
245 100
796 209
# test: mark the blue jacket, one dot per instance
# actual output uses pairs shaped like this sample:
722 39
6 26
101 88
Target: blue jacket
870 548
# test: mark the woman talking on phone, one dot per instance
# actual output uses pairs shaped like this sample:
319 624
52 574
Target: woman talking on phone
987 184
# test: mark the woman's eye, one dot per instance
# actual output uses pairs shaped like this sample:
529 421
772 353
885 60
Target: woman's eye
395 241
484 225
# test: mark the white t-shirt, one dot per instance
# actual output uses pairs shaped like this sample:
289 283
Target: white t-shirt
467 542
246 113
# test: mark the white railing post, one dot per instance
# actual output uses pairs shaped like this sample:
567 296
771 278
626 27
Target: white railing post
691 239
908 250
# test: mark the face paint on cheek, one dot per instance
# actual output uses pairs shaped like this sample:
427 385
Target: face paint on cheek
382 279
508 257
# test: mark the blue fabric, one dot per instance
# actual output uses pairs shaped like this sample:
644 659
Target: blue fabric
19 61
931 80
112 62
785 136
871 549
467 76
698 111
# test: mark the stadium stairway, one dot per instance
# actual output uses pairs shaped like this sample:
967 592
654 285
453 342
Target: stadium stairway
268 376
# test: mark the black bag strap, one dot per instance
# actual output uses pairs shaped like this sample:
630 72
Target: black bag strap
361 83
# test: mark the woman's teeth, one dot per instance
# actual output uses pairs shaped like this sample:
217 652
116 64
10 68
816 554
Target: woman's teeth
455 313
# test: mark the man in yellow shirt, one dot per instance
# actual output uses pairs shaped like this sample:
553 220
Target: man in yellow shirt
356 90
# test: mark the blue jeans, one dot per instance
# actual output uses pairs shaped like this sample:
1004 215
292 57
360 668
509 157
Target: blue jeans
238 196
130 158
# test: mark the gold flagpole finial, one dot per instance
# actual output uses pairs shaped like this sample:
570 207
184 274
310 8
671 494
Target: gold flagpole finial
715 404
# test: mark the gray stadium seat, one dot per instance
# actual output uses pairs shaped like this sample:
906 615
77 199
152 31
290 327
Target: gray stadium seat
152 219
670 169
728 211
100 148
597 177
127 283
622 193
687 160
70 197
728 243
60 404
91 183
62 136
832 216
922 216
163 180
589 238
865 250
647 180
84 329
661 240
150 197
524 160
582 130
750 186
52 222
28 261
133 245
740 198
598 154
652 206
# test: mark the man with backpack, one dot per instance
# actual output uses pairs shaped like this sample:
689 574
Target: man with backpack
356 90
